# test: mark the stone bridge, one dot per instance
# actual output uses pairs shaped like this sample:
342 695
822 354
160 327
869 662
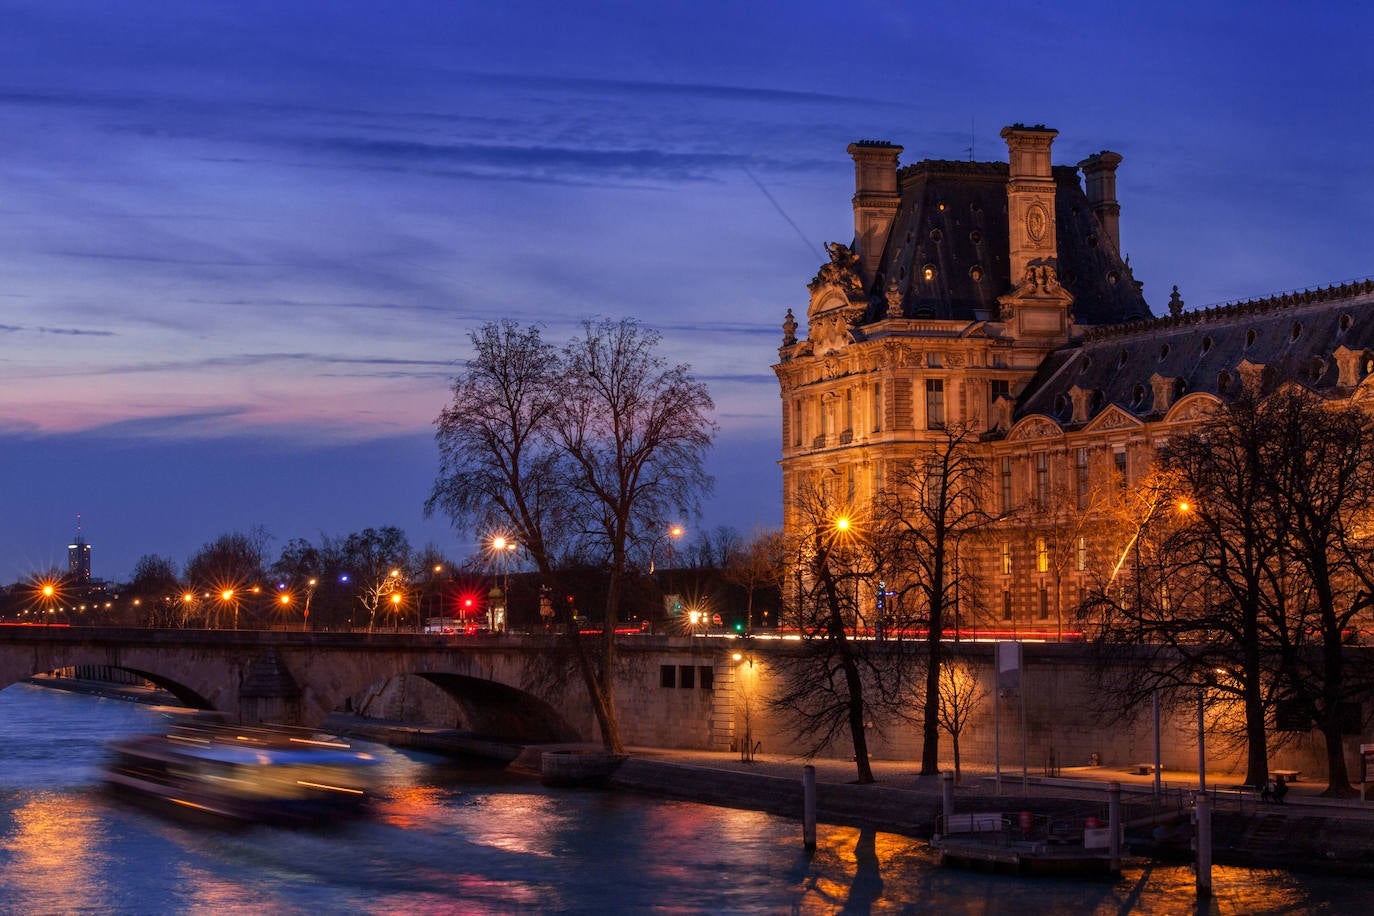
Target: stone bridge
502 685
672 692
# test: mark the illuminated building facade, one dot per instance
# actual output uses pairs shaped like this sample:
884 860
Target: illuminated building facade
993 295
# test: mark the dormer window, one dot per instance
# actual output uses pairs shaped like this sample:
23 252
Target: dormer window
1295 331
928 272
1137 395
936 235
1345 322
1250 338
1223 381
1121 360
1163 352
976 273
1206 344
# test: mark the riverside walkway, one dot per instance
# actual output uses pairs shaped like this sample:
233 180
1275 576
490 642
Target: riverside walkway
1306 832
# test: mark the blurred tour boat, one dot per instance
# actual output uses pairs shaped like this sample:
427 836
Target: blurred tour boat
243 775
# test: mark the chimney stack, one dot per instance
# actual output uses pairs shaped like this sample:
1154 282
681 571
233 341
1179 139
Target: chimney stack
875 200
1099 171
1030 198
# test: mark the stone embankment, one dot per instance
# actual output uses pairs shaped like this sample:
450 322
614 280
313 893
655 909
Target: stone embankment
1306 834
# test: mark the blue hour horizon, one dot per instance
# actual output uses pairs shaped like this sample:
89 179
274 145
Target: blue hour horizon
241 246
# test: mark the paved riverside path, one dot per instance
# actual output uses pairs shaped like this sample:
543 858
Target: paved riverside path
1306 832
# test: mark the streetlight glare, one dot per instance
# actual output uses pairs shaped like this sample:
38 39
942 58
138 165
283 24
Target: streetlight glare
842 523
675 531
285 599
227 594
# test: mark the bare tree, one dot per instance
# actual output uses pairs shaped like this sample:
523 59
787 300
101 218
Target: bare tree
227 568
931 502
832 683
759 563
961 692
636 431
1321 461
573 454
378 563
157 590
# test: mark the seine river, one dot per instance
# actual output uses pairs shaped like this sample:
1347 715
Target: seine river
449 841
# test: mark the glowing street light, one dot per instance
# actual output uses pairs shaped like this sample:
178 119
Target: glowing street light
674 532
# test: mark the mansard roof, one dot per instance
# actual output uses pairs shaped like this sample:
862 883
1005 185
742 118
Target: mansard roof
952 218
1144 367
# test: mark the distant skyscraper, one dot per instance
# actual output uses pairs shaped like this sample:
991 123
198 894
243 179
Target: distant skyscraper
79 557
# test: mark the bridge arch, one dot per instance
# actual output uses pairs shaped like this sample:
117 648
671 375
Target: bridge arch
488 705
192 695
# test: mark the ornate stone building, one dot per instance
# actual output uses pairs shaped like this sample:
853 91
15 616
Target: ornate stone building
994 295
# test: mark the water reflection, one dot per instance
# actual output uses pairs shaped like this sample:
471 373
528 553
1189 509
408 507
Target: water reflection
447 841
53 855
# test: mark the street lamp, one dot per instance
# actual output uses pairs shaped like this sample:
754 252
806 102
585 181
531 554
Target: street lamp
502 549
674 532
309 593
227 595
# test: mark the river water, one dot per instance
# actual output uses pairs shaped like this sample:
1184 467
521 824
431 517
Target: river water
450 841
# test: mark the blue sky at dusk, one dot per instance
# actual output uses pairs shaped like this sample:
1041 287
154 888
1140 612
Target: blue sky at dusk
241 243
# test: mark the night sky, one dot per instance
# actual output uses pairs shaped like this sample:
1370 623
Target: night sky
241 243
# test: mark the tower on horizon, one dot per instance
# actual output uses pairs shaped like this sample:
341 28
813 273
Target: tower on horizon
79 557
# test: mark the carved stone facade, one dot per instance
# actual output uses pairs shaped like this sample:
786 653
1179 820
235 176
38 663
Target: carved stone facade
998 299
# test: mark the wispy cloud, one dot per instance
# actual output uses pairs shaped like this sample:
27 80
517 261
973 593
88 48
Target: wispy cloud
64 332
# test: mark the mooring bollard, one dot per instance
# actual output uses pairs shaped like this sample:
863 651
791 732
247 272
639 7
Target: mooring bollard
809 807
1204 846
946 797
1114 818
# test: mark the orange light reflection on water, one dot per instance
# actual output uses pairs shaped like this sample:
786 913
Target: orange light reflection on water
54 862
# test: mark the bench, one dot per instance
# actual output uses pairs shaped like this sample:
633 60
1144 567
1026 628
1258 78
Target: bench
1288 775
1145 769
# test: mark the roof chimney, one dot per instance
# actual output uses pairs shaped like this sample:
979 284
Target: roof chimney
875 199
1030 197
1099 170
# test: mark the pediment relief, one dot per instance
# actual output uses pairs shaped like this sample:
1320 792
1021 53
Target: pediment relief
1113 418
830 333
1196 406
1035 427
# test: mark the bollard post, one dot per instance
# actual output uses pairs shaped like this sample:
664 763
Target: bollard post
1114 818
946 797
1204 846
809 807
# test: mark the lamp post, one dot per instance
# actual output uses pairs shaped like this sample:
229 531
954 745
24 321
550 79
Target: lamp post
502 549
309 593
674 532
